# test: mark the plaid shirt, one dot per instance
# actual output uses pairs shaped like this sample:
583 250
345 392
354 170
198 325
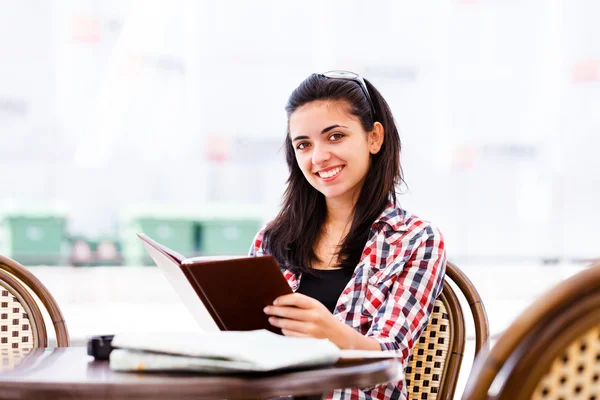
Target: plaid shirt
391 293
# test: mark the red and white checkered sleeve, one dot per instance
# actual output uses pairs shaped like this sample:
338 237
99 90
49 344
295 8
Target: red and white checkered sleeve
256 249
404 314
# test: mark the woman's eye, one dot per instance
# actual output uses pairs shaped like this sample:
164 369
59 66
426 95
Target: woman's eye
336 136
302 145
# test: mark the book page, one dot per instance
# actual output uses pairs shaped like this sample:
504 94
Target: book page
201 259
258 350
367 354
184 288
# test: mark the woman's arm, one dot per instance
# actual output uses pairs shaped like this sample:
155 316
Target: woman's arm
399 321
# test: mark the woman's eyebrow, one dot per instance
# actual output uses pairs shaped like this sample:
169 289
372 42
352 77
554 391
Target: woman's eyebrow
322 132
332 127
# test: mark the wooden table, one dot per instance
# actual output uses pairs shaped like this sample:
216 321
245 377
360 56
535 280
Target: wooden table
71 373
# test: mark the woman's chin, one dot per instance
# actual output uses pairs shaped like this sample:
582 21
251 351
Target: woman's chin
334 193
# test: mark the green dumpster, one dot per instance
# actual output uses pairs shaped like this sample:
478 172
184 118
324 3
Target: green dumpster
226 236
176 234
35 239
193 230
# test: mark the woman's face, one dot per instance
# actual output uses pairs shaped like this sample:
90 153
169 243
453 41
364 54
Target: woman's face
332 148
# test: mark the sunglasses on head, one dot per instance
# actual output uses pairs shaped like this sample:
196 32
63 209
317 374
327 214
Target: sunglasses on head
351 76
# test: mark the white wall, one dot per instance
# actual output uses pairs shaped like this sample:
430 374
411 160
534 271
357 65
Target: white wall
104 104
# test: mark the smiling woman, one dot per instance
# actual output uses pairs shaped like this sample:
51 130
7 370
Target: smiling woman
364 271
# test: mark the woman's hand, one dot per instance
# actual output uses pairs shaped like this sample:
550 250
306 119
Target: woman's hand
302 316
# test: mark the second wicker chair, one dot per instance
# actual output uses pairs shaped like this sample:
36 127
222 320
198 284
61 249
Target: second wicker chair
434 366
551 351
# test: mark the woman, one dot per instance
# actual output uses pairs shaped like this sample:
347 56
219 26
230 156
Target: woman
365 272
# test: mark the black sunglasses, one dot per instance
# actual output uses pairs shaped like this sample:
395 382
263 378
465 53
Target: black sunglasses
351 76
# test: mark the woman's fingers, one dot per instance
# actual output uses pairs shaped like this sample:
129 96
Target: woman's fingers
296 300
289 325
287 332
298 314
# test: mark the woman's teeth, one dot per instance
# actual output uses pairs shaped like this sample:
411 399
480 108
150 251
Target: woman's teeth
330 173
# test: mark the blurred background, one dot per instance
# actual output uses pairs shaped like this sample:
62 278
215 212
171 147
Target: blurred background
167 117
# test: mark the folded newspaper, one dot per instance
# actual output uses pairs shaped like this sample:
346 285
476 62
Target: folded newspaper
227 351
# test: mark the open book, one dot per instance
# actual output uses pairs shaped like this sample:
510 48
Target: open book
222 293
254 351
227 298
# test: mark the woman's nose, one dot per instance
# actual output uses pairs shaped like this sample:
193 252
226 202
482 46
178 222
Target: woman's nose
320 155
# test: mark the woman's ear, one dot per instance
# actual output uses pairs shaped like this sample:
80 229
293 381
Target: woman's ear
375 138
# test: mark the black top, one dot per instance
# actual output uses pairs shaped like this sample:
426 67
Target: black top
326 285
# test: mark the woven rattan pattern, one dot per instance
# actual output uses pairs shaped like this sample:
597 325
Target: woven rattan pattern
426 364
15 328
576 374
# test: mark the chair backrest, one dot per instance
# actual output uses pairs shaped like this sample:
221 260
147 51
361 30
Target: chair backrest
22 323
551 351
434 366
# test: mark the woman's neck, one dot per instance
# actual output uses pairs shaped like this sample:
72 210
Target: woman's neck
339 213
340 210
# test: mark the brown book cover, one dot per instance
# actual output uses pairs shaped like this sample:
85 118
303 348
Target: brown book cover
231 292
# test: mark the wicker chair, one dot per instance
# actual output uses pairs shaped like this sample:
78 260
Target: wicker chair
22 325
551 351
433 368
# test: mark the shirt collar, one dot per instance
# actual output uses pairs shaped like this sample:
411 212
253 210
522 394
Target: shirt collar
392 216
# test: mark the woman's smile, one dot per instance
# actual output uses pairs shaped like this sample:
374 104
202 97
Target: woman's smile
329 174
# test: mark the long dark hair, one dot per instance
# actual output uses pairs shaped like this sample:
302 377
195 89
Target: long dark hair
291 236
